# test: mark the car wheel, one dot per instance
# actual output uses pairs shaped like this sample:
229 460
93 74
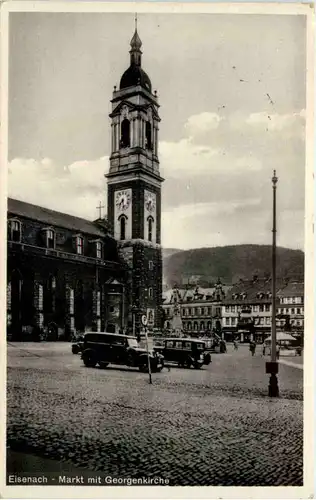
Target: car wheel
89 361
130 360
207 359
143 368
75 349
188 363
103 365
197 366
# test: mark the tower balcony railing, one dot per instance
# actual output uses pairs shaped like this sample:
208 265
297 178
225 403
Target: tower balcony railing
61 254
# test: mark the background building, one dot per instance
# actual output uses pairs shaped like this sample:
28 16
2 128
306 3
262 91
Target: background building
246 311
290 310
200 308
241 312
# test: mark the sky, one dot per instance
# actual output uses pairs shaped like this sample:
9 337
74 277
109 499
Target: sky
232 93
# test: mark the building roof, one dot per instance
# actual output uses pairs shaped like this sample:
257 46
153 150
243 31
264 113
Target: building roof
51 217
293 289
196 294
247 291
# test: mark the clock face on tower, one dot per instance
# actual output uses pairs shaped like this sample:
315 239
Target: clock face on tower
122 200
150 201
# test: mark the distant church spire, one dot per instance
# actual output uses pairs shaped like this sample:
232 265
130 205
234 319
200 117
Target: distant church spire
136 43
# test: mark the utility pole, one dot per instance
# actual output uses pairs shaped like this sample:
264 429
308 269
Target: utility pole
272 367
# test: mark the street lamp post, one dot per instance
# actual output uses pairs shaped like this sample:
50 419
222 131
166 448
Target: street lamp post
272 367
144 323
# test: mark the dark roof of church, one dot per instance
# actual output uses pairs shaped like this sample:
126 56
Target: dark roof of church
51 217
135 75
136 42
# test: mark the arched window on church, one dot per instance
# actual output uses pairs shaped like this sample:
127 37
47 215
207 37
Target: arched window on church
150 221
80 306
148 136
49 294
123 220
125 134
16 301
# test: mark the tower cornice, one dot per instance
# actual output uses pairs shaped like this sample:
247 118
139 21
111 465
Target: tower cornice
134 173
135 90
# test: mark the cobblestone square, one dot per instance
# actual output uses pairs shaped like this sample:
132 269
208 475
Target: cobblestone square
214 426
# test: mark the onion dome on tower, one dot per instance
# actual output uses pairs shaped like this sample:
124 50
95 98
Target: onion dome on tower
135 75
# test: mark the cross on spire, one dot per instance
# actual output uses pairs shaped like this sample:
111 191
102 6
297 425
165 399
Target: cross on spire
99 207
135 21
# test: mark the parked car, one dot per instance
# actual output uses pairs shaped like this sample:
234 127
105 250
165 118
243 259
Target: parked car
186 352
105 348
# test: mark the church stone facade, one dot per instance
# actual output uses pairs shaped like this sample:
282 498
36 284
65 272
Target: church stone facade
66 274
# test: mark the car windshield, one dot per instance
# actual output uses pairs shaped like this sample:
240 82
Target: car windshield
132 342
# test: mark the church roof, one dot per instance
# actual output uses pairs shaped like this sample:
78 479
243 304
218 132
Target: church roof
133 76
136 42
51 217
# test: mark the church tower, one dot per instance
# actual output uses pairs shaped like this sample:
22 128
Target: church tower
134 187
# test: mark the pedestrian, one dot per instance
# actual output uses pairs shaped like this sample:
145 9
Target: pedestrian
235 345
278 352
252 347
263 349
222 347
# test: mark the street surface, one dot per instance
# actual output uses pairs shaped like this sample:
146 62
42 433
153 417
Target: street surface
214 426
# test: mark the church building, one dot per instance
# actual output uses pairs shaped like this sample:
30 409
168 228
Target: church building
66 274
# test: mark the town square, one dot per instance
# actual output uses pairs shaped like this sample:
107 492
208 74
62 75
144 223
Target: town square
192 427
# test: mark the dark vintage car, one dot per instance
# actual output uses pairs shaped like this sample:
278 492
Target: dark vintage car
105 348
186 352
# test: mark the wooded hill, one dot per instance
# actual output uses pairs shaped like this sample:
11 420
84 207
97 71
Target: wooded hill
230 263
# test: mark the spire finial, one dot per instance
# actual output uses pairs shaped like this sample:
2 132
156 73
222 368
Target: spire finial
136 44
